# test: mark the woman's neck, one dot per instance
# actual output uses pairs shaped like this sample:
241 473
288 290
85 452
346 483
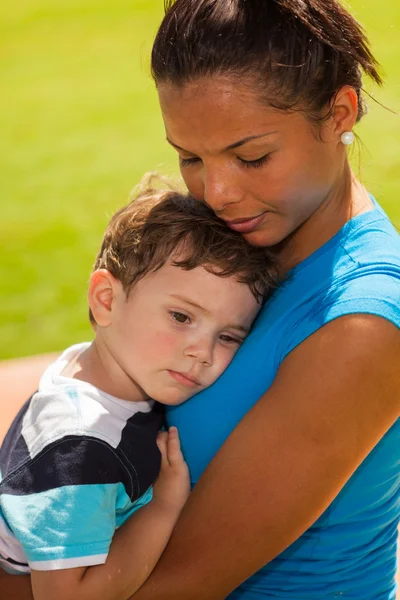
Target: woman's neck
344 202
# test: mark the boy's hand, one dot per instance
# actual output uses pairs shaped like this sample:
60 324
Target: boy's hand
172 487
140 542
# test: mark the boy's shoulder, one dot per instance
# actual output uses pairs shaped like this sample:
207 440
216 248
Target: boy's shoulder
66 410
78 409
73 436
64 406
72 428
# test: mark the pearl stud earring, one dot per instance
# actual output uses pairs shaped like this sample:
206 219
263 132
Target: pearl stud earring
347 138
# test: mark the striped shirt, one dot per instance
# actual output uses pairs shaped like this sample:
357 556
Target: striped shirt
75 464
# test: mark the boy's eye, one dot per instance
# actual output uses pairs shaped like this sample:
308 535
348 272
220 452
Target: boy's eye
229 339
180 317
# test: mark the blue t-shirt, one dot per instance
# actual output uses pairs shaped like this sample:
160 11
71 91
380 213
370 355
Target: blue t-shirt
350 552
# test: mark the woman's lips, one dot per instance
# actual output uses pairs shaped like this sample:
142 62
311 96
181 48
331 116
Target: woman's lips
245 225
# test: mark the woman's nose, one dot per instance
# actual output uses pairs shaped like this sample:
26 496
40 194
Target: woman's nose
220 189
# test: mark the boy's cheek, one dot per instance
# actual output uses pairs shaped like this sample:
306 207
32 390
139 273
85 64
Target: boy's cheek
221 363
159 345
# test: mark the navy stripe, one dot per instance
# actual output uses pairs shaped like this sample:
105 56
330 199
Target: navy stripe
138 445
81 460
72 460
15 562
14 451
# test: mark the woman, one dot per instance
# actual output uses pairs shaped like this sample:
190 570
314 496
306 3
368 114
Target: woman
296 448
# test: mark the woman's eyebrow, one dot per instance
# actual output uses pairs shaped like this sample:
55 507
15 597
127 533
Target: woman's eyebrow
231 146
248 139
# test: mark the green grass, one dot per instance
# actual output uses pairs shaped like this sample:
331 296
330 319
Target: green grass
80 125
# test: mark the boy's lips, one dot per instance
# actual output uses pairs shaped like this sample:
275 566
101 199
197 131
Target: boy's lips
245 225
184 378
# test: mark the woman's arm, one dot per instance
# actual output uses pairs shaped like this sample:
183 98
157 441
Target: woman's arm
333 399
15 587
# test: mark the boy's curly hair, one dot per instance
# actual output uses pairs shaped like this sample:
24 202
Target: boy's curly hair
159 224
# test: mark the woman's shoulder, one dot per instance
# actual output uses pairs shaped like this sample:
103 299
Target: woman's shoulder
357 271
366 246
371 239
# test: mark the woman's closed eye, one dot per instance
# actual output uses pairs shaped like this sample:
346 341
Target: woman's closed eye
254 164
188 162
248 164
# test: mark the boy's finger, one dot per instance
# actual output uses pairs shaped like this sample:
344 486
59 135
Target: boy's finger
174 447
162 443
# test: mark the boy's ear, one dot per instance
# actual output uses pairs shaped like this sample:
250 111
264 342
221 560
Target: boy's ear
103 288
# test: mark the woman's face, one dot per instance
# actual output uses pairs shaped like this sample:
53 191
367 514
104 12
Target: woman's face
263 171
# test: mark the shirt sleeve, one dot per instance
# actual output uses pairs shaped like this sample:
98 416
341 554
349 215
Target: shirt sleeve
61 505
375 294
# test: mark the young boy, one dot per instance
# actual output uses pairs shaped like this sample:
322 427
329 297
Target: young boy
172 296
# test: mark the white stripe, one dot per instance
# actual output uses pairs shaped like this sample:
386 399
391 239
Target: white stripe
68 563
65 406
9 545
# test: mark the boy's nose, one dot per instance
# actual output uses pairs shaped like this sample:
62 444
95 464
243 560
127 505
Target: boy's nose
202 351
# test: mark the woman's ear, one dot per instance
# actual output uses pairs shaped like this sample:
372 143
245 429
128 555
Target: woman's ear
103 288
344 111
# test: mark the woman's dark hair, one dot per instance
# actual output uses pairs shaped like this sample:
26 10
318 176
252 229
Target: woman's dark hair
300 52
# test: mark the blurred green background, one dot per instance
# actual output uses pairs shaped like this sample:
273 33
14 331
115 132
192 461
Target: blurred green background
79 126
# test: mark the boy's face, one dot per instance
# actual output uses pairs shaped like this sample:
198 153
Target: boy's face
178 330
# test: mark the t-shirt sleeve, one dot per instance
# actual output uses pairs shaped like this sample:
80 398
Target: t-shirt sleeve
61 505
375 294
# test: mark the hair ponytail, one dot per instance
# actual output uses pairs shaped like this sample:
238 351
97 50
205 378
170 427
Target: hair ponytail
334 26
300 52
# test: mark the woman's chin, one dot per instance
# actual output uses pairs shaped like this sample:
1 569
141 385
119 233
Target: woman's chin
263 238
